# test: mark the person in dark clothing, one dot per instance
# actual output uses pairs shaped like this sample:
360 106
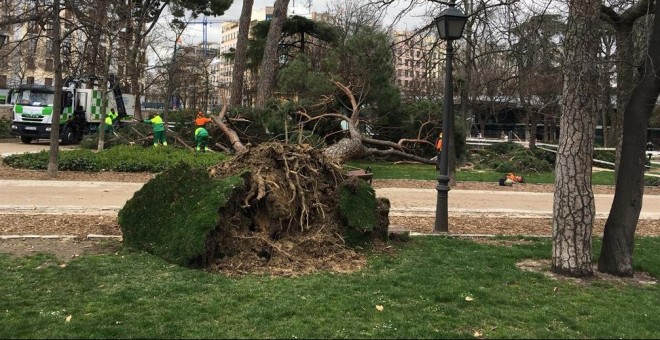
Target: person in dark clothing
79 119
649 148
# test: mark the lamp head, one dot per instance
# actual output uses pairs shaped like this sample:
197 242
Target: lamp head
450 23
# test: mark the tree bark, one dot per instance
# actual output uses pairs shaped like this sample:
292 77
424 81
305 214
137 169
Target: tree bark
618 240
270 60
574 208
344 150
240 58
624 83
104 94
53 159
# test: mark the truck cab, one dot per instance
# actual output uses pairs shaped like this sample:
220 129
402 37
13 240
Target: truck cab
33 111
80 114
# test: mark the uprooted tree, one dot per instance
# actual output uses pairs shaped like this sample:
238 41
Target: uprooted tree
275 208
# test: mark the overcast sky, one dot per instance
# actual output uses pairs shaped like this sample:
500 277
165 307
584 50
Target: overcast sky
193 34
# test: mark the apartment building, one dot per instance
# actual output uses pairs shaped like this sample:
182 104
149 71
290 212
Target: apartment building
27 56
223 68
418 63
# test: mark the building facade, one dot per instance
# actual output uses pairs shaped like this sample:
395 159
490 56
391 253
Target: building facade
418 63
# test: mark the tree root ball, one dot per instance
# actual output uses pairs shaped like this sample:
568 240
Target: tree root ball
286 219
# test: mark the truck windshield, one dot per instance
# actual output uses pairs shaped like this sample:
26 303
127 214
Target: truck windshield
35 98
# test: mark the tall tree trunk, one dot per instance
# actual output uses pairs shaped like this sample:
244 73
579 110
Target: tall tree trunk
104 93
533 122
270 61
574 208
136 71
53 159
240 58
624 83
618 240
625 55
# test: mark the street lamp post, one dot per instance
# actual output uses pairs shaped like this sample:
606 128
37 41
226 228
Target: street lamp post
450 24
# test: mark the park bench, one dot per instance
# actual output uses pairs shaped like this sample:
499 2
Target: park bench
361 174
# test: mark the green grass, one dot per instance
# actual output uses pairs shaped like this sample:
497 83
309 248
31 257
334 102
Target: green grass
422 288
178 230
388 170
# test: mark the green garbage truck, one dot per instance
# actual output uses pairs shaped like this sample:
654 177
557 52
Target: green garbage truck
81 108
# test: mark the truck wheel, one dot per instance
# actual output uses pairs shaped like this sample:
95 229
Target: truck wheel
68 136
26 140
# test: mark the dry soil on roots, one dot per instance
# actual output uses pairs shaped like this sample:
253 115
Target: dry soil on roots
286 219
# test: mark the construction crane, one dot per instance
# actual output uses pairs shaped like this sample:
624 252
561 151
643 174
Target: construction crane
205 22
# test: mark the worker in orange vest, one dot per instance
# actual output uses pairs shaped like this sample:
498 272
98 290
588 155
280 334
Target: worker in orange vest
438 148
201 120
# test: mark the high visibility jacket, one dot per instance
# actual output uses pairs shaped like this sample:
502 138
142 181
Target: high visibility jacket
438 144
157 123
112 116
108 120
200 121
201 132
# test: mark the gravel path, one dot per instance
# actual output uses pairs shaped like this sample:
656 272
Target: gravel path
82 225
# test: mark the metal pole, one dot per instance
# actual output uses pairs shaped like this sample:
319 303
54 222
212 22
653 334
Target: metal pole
441 209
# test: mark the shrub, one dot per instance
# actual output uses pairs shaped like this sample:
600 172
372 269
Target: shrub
511 157
605 155
652 181
122 158
178 230
5 127
32 161
82 160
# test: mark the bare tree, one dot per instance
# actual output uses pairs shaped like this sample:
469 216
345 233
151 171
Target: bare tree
352 16
536 53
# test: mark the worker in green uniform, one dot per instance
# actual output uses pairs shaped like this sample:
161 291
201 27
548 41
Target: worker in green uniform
201 139
158 128
108 124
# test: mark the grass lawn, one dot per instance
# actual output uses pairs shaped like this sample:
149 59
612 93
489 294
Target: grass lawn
422 288
389 170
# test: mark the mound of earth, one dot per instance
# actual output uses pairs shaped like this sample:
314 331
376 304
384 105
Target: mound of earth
288 219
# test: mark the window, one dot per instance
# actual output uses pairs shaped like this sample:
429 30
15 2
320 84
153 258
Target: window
3 81
33 28
32 46
30 63
49 65
48 81
81 100
30 80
